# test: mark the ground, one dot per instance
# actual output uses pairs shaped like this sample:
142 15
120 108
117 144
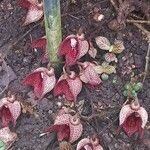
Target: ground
22 59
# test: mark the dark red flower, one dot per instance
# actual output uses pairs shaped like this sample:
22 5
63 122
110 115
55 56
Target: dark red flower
62 130
73 48
41 44
42 79
35 10
10 110
133 118
67 127
69 86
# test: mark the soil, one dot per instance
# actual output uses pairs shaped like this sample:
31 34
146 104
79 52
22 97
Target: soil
22 59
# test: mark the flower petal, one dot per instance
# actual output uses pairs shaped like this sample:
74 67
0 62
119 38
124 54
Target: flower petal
62 130
35 80
99 147
92 52
82 143
69 49
65 45
144 116
132 124
72 56
42 79
15 110
6 116
62 87
24 4
89 75
40 43
75 132
75 86
102 43
84 47
75 129
124 113
34 14
7 136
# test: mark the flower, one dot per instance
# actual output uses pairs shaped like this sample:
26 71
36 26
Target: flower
133 118
73 48
42 79
68 127
89 144
41 43
88 74
7 136
35 10
68 85
10 110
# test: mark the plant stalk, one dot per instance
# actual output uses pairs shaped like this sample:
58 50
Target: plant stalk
52 18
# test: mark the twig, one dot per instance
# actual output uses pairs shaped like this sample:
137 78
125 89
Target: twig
92 116
114 4
108 126
138 21
147 62
144 31
147 33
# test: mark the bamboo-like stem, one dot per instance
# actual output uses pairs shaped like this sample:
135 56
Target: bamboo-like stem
52 17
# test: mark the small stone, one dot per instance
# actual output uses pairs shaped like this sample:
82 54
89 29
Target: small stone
59 104
50 111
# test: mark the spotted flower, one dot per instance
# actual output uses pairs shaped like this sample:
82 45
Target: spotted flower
89 144
68 127
69 86
133 118
7 136
35 10
10 110
73 48
88 74
42 80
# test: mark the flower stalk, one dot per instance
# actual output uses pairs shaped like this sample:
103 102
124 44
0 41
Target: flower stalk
52 18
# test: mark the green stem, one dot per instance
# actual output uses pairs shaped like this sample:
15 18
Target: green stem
52 17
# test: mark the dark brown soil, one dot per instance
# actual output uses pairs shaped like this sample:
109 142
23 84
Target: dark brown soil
22 59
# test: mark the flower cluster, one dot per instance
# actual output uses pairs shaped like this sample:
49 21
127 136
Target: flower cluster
70 83
10 110
68 127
